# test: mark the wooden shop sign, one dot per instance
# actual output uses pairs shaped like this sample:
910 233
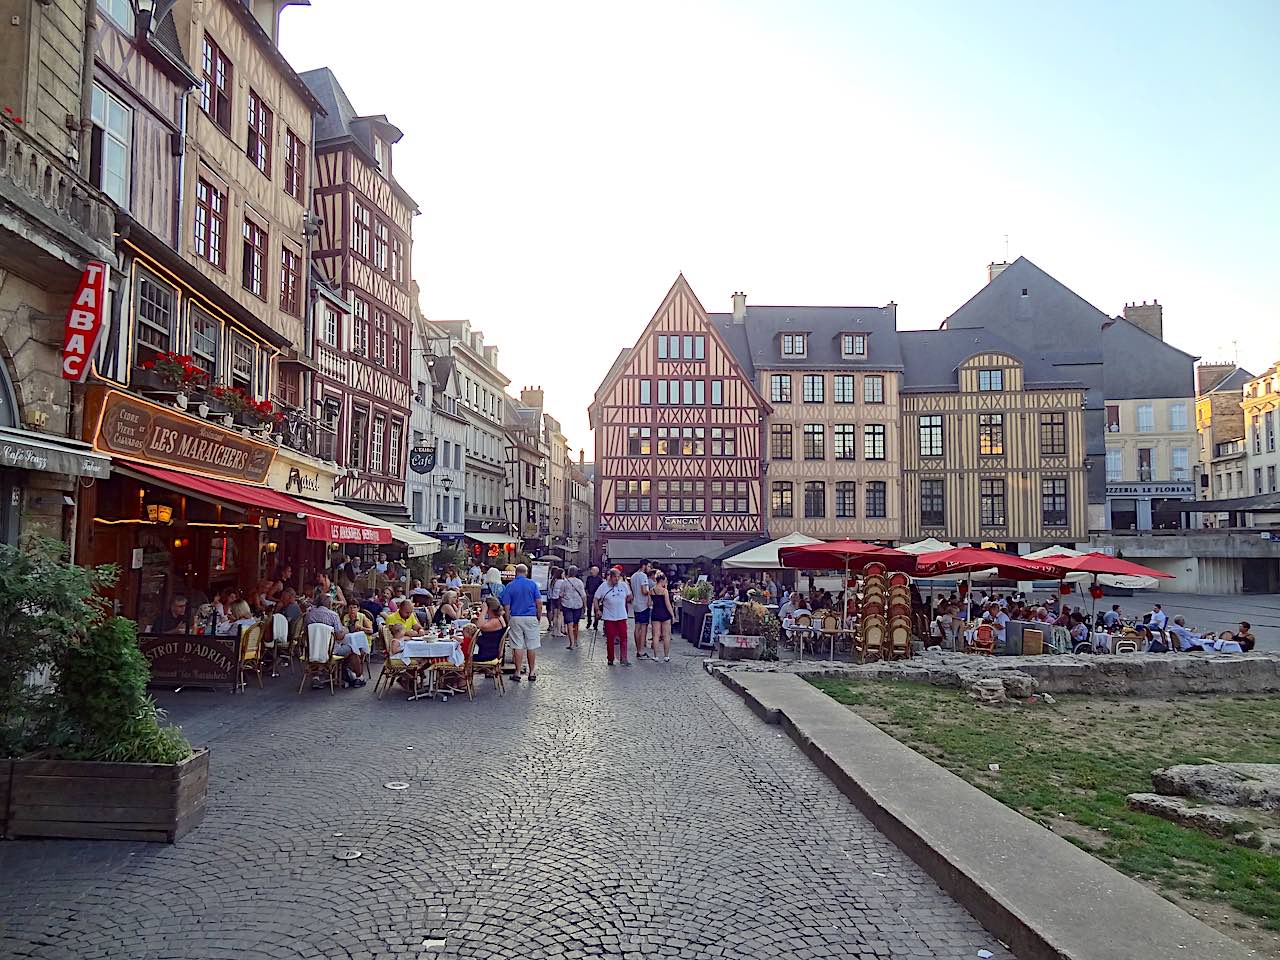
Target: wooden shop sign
130 427
194 660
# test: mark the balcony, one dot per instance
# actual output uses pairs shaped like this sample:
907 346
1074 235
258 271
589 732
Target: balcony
45 203
332 363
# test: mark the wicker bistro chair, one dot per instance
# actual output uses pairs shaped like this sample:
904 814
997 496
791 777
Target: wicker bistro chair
492 668
250 654
320 661
297 642
464 674
393 668
984 640
899 638
871 635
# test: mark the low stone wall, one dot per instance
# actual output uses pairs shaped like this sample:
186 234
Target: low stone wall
1145 675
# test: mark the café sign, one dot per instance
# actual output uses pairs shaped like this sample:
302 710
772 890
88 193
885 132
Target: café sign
190 659
130 427
682 524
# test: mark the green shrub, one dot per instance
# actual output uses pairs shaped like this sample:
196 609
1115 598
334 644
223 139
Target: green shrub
102 688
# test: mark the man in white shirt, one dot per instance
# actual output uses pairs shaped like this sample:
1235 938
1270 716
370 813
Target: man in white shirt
1159 619
997 618
641 607
381 565
1186 639
473 572
611 601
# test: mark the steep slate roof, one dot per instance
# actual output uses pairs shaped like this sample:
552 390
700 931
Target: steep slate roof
931 359
1060 325
1233 382
341 123
756 343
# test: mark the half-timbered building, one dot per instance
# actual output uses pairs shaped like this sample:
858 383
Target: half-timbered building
993 444
363 247
678 435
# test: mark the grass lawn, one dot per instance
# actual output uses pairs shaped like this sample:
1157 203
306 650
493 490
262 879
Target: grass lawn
1070 765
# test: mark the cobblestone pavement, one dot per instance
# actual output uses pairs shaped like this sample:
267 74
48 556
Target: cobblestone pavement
637 812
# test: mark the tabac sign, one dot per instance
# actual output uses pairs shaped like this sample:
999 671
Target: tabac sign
84 322
134 428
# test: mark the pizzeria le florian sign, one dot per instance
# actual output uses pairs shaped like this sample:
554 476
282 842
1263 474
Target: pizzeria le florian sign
134 428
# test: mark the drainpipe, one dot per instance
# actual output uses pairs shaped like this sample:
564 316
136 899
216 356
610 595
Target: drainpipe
85 130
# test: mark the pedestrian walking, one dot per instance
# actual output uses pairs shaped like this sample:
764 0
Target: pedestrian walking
641 608
663 614
523 603
612 601
555 622
573 597
592 584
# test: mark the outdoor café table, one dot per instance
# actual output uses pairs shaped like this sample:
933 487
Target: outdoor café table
431 649
359 642
799 632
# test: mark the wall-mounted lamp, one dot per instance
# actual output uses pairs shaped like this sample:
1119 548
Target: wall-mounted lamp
272 522
272 547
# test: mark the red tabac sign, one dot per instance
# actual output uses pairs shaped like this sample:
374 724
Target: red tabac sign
84 322
345 531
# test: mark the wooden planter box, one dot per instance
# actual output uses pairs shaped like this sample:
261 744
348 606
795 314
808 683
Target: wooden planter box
736 646
95 800
691 615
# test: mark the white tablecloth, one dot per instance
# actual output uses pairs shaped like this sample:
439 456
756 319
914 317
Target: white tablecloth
449 649
1102 640
359 641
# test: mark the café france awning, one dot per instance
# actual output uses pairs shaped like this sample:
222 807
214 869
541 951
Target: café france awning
321 524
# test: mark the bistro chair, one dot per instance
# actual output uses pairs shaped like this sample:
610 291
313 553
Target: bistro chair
492 668
320 659
1125 645
393 668
871 634
297 646
899 639
250 653
280 648
465 673
984 640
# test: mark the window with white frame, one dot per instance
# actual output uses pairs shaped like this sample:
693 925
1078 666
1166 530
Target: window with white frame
242 363
794 344
154 309
1146 418
843 385
853 345
206 332
1177 417
394 432
329 329
1180 464
111 148
1115 464
873 388
375 442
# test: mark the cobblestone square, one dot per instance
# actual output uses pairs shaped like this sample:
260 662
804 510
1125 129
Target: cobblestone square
622 812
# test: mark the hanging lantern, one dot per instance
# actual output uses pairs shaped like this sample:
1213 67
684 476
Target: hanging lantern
1096 592
1066 589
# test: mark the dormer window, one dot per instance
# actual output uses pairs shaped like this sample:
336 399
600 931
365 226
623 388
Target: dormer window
794 344
379 155
991 380
853 345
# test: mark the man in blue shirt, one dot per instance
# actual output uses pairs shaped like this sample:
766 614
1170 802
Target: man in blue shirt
523 603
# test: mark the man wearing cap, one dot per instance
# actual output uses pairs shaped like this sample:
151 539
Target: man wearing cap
611 600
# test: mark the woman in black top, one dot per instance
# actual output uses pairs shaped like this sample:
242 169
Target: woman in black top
491 626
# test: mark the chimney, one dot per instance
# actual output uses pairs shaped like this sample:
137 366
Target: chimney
1148 316
995 269
739 307
582 456
1209 375
531 397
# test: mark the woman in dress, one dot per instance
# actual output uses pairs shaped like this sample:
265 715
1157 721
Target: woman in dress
663 613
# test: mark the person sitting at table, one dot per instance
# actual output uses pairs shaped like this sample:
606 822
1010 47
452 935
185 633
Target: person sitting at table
356 620
177 619
326 587
322 612
998 619
1185 638
226 599
238 616
287 605
491 623
449 608
1079 630
1111 619
404 614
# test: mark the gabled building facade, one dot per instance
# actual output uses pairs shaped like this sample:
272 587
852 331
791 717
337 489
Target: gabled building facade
1220 467
833 453
1262 430
363 247
993 449
679 429
1123 364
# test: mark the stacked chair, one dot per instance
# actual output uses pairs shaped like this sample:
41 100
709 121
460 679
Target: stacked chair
899 617
873 632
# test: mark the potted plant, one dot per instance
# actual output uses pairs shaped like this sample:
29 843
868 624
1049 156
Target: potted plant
235 403
172 373
695 604
89 754
749 633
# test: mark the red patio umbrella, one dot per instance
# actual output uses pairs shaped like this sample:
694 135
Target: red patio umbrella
972 559
1099 564
844 555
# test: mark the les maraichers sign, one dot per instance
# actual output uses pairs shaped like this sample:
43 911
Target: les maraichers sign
134 428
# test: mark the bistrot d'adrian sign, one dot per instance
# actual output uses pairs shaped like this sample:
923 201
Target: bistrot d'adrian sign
84 322
143 431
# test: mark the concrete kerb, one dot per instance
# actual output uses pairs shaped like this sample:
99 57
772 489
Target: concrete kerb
1044 897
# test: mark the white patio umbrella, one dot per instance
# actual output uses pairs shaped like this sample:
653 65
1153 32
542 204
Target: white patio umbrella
765 556
928 545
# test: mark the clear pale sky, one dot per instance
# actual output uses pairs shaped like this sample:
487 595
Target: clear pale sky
570 159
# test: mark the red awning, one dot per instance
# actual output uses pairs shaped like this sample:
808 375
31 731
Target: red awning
321 525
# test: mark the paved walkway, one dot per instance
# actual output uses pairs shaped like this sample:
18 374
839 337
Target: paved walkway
637 812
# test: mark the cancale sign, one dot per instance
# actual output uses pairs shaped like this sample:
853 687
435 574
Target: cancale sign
84 322
134 428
